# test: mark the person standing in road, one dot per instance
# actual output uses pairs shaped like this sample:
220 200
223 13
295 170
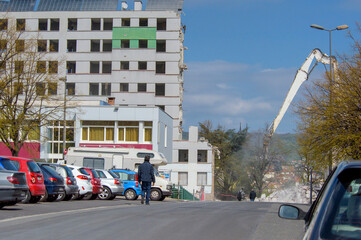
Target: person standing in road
146 178
252 195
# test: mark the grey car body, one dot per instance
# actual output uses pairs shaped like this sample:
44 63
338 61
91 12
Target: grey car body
110 188
13 187
69 181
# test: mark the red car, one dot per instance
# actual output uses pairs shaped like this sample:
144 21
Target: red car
34 178
96 182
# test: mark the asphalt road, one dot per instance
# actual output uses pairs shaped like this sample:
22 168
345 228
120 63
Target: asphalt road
122 219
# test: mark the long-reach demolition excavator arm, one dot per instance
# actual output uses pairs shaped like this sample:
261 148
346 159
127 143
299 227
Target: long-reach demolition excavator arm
301 76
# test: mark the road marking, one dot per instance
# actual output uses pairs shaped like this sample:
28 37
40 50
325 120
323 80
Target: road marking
53 214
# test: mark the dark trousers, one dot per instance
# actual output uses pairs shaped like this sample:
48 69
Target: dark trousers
146 188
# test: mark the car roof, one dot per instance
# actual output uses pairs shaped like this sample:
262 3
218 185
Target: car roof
347 165
122 170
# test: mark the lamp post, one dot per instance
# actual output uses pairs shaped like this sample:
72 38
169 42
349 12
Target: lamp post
341 27
64 116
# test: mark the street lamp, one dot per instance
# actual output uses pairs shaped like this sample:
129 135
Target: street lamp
341 27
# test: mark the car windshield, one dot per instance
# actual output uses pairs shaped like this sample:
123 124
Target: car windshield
68 171
343 220
95 174
8 164
101 174
113 174
83 171
50 170
33 167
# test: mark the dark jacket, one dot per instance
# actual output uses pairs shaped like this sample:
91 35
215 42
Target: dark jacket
146 172
252 195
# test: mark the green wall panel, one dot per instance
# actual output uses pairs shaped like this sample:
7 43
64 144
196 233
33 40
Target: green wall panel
134 43
134 34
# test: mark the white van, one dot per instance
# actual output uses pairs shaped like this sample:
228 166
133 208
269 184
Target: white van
123 158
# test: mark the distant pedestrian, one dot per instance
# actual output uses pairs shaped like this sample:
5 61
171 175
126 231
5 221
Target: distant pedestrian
241 195
146 178
252 195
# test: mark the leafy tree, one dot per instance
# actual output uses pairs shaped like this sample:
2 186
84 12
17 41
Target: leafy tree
28 94
228 167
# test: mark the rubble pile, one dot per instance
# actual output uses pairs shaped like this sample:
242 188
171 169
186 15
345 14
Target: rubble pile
295 194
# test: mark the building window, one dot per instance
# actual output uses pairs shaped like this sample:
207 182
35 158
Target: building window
160 67
41 67
160 89
71 67
53 67
71 45
52 88
95 25
106 89
70 88
55 136
125 22
98 131
125 43
95 45
43 24
40 88
42 45
72 24
124 65
124 87
202 179
19 66
20 24
3 24
161 45
94 67
2 66
107 67
107 45
19 45
54 46
142 65
182 155
128 131
143 22
202 156
142 87
3 45
93 89
107 24
161 24
148 131
183 178
54 24
143 43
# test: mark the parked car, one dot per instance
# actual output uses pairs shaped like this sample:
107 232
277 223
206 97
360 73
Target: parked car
34 178
83 181
96 182
13 187
130 183
69 181
336 212
7 164
54 183
112 185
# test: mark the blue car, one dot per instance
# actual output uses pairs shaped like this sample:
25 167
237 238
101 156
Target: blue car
130 182
54 183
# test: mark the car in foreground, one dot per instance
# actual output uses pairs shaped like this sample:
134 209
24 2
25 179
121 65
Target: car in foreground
34 178
336 212
130 183
112 185
82 180
13 187
54 183
70 185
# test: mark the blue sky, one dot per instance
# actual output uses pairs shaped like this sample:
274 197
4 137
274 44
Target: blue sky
243 55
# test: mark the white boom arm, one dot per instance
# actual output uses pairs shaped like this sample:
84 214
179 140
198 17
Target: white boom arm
301 76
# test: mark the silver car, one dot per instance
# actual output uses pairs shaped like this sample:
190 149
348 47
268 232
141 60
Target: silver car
112 185
13 187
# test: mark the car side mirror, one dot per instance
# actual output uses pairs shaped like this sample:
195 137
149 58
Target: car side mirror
290 212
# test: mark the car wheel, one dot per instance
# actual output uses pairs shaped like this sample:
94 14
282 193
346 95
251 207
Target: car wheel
27 197
1 206
105 194
112 197
130 194
35 199
155 195
52 198
93 196
162 198
67 197
44 197
61 196
87 196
